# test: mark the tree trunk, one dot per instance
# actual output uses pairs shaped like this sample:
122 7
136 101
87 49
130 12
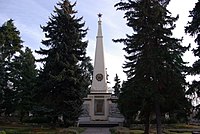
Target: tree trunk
147 123
158 118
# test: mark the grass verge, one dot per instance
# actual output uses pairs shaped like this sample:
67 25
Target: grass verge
37 130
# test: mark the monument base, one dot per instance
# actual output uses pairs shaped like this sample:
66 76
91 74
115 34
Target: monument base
100 108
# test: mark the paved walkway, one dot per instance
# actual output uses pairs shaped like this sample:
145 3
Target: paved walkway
96 130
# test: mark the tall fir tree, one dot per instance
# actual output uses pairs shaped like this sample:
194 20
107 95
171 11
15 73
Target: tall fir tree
10 44
64 79
154 65
117 86
193 28
129 101
23 76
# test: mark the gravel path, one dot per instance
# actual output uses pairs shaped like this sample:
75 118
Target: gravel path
96 130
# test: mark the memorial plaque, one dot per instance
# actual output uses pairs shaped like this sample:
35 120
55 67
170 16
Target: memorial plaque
99 107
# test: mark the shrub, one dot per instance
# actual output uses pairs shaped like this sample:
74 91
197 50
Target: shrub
68 131
38 120
2 132
120 130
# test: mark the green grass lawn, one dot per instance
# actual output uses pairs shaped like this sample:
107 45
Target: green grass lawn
28 130
37 130
168 129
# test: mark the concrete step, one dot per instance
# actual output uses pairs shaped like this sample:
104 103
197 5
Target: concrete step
98 124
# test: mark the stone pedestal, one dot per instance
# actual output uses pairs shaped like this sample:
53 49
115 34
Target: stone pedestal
101 107
96 106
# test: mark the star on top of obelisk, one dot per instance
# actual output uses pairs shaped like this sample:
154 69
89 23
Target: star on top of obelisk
99 15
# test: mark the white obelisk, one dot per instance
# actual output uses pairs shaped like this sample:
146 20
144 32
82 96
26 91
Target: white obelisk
97 104
99 82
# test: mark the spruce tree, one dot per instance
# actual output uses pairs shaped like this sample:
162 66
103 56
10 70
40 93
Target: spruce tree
24 75
63 81
10 44
117 86
193 29
154 65
129 101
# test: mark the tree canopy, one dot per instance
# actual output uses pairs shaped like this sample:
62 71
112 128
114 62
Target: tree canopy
10 45
193 29
117 86
154 65
63 80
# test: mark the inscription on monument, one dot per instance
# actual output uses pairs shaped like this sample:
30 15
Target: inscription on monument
99 107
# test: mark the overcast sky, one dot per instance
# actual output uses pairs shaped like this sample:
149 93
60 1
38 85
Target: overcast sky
28 15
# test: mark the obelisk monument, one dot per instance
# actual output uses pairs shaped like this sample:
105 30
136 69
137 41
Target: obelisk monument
99 82
98 106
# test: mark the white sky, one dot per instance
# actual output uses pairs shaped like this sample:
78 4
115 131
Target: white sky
28 15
